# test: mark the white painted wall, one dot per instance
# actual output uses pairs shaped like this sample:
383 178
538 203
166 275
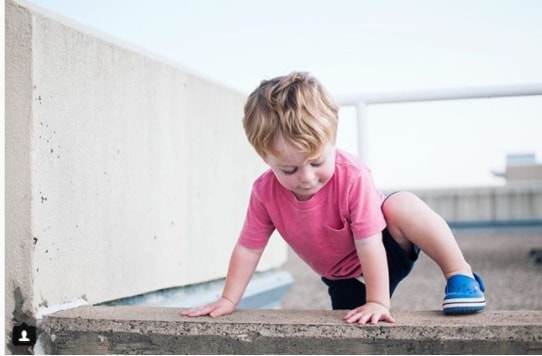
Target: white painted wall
124 174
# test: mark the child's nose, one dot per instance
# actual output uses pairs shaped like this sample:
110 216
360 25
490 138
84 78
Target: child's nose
306 174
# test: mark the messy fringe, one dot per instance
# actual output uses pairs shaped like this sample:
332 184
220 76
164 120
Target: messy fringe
295 107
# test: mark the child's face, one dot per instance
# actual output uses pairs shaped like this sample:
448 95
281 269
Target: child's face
304 178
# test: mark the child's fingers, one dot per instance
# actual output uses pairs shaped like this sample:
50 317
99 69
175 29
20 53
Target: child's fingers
388 318
357 316
199 311
217 312
222 309
351 313
187 312
192 312
376 317
365 317
213 309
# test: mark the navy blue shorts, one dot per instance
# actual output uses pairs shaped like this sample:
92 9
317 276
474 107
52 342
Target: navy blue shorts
350 293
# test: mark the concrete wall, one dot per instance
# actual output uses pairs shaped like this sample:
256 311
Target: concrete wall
510 204
124 173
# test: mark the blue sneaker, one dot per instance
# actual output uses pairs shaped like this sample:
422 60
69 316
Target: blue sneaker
464 295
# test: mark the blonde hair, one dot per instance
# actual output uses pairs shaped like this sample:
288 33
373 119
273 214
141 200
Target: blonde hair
296 108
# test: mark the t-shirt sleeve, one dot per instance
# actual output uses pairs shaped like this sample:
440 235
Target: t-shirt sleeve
258 226
365 205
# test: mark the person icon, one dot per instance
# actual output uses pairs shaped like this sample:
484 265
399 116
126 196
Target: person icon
24 337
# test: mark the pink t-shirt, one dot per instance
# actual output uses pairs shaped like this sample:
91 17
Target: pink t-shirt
320 230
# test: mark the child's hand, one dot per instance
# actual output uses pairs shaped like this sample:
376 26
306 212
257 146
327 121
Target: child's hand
369 313
222 306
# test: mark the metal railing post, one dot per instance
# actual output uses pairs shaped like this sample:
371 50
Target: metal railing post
361 117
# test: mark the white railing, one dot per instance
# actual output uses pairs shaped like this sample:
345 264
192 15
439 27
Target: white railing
361 101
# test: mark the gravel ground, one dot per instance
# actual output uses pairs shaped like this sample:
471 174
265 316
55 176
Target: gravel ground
501 256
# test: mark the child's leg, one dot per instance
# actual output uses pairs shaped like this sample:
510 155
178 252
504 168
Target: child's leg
411 221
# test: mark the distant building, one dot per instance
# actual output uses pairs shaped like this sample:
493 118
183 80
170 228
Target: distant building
521 168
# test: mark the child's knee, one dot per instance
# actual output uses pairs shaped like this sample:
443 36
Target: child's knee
402 210
400 205
405 211
400 214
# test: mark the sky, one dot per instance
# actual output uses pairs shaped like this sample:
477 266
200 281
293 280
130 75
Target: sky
361 46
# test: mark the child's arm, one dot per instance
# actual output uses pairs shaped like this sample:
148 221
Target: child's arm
243 263
374 264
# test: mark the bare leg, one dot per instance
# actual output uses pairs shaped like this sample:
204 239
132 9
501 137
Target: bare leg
411 221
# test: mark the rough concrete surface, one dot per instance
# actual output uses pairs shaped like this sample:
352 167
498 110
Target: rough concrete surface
147 330
500 256
512 323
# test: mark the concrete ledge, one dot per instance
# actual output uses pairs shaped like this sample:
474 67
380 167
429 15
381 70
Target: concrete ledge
144 330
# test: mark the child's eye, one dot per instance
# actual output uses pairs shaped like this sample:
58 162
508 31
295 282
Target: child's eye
317 164
290 172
